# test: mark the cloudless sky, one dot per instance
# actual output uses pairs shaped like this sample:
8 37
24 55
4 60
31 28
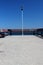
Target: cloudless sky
10 13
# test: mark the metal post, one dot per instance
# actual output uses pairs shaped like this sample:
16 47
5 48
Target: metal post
22 20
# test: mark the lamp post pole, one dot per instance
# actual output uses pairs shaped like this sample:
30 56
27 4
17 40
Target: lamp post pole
22 19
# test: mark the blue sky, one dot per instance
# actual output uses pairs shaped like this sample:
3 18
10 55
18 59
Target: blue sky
10 13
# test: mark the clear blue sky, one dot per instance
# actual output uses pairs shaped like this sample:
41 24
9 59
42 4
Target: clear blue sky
10 13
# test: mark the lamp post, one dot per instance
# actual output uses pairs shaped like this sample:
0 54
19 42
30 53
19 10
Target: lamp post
22 19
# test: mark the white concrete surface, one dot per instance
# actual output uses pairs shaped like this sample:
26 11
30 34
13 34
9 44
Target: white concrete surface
18 50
